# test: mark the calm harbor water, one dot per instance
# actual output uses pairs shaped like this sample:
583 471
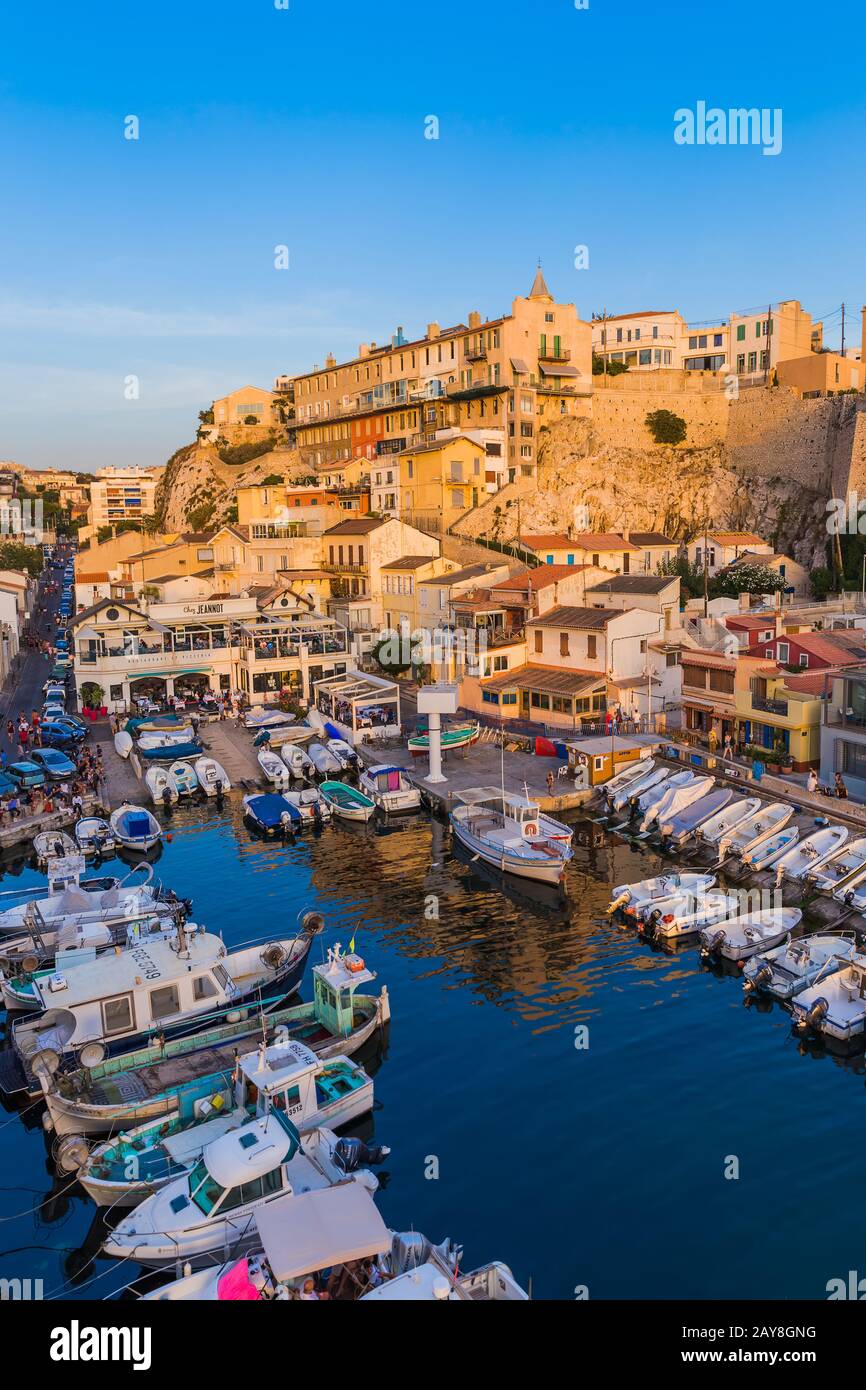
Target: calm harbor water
600 1166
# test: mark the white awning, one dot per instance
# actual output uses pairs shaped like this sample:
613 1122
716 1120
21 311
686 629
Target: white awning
329 1226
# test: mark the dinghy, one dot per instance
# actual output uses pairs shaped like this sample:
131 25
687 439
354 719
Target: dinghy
183 778
623 796
675 800
812 852
676 922
212 777
323 759
271 813
132 1087
260 718
289 1077
310 805
71 898
650 796
457 736
161 786
53 844
683 826
390 788
727 820
852 893
749 934
166 739
770 817
93 835
835 1007
634 772
797 965
213 1208
648 890
169 751
772 847
296 763
840 867
123 743
506 832
282 734
273 767
348 803
344 753
135 828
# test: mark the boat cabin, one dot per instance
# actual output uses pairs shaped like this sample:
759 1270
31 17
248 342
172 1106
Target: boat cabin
334 985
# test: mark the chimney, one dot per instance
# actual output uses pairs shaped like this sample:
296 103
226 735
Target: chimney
475 319
330 360
626 535
433 330
364 350
745 602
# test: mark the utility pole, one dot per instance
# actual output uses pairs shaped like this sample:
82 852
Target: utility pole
706 570
843 331
767 341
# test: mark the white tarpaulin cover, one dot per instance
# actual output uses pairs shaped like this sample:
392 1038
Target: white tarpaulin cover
329 1226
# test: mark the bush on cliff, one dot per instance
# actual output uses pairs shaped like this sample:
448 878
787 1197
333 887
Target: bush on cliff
666 427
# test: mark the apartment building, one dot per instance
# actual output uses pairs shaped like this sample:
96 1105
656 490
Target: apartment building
122 494
248 405
843 730
719 549
510 373
626 552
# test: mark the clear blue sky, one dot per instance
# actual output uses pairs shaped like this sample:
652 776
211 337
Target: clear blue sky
305 126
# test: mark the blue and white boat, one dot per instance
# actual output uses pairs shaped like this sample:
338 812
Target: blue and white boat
183 778
272 813
798 965
506 831
390 788
346 802
135 828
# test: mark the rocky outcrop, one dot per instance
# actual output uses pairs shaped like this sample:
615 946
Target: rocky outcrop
198 490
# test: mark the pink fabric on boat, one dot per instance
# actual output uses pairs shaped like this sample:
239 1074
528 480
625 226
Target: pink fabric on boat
236 1285
393 781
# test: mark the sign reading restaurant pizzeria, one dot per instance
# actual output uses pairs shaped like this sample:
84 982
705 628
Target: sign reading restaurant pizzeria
205 608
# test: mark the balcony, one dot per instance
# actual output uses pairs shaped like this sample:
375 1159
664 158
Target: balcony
760 702
563 355
476 354
337 567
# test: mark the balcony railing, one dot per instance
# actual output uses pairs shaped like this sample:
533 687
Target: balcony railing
476 354
760 702
337 567
551 355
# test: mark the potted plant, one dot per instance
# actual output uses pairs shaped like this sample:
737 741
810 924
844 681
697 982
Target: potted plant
92 695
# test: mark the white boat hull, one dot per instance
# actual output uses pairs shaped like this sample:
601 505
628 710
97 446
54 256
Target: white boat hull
536 868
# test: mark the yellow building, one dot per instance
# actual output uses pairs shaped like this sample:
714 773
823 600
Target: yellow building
778 707
238 407
821 373
441 481
400 594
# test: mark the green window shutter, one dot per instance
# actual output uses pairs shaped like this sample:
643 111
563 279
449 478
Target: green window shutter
741 332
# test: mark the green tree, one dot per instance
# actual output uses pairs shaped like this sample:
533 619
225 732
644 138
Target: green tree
691 576
251 420
206 417
666 427
15 555
613 368
821 581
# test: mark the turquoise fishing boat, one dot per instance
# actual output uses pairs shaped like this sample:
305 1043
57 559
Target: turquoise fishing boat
347 802
458 736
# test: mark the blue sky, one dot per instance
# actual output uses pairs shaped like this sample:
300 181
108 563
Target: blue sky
305 127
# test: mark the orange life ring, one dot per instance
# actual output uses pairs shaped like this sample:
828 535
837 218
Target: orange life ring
531 828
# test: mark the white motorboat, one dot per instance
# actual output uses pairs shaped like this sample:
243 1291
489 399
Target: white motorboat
797 965
161 787
772 847
770 817
212 776
711 831
260 718
183 778
841 867
390 787
835 1007
77 942
53 844
123 1170
695 913
347 802
683 826
633 895
73 899
94 836
339 1230
633 790
675 800
310 805
811 852
166 738
123 743
135 828
213 1208
634 773
296 763
505 831
323 759
344 753
750 933
273 767
852 892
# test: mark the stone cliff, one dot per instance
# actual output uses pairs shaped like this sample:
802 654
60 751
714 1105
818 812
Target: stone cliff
198 488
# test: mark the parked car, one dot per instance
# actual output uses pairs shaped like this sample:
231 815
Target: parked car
55 735
26 774
54 764
53 709
74 721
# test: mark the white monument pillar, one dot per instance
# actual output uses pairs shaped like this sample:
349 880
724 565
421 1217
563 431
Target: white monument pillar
434 701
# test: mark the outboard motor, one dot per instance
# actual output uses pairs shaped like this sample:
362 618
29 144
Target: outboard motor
218 784
648 926
166 800
411 1249
352 1154
317 815
762 976
712 945
814 1017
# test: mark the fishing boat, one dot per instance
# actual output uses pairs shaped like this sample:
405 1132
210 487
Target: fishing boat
689 916
53 844
505 831
797 965
390 788
135 828
771 848
132 1087
455 736
94 836
122 1171
72 898
116 999
683 826
271 813
161 787
711 831
811 852
344 753
674 801
347 803
296 762
635 788
834 873
323 759
631 896
311 806
835 1007
338 1231
213 1208
212 777
123 743
749 934
273 767
770 817
183 778
633 772
75 942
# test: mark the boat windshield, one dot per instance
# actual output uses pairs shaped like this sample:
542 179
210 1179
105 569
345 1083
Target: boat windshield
204 1190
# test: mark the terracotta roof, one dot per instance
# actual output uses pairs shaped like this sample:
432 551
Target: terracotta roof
736 538
837 649
634 584
587 540
643 538
357 526
810 683
709 661
100 577
551 680
749 621
584 619
540 576
457 576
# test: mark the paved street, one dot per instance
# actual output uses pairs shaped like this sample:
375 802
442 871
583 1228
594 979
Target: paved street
23 692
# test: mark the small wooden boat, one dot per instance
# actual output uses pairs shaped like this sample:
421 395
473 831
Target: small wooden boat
347 802
53 844
94 835
508 836
296 762
212 777
457 736
711 831
273 767
167 738
812 852
344 753
771 848
135 828
744 837
161 786
390 788
271 813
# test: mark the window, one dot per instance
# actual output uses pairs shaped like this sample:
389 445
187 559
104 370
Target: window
741 332
591 644
783 651
563 644
489 697
672 658
117 1015
164 1002
203 987
539 643
804 658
